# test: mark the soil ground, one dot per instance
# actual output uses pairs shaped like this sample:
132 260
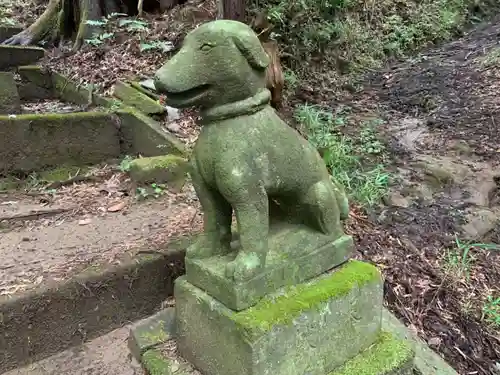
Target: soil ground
441 112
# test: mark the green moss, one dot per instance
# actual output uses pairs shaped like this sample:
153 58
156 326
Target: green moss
386 356
283 309
157 336
61 173
49 117
28 67
135 98
155 363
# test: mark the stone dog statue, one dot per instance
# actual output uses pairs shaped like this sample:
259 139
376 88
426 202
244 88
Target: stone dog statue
245 156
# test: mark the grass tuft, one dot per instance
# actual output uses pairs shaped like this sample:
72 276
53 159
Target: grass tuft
355 163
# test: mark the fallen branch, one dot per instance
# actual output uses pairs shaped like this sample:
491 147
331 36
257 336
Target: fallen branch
58 184
34 214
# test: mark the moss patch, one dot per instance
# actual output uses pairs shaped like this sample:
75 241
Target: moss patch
171 169
283 309
386 356
62 173
135 98
155 363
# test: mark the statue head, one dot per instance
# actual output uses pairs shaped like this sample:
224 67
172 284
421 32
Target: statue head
219 62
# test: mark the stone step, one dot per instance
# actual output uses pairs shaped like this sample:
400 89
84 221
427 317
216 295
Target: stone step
105 355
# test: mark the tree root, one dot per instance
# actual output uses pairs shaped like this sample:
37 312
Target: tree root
68 18
41 29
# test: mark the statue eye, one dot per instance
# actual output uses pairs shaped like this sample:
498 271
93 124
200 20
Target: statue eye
206 47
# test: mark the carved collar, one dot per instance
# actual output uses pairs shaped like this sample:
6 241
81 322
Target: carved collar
240 108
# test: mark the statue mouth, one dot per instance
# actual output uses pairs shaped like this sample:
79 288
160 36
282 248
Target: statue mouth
191 95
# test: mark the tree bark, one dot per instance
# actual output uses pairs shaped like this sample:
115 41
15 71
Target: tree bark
234 9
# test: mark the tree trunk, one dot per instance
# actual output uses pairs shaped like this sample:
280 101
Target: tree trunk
68 18
234 9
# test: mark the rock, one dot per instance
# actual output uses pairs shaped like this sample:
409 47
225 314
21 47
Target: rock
442 171
173 114
10 102
11 56
397 200
479 223
133 97
168 169
462 147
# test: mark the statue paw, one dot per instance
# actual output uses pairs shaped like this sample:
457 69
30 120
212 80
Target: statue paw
205 248
245 266
200 249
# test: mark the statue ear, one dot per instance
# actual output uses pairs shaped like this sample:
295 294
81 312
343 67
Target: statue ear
251 48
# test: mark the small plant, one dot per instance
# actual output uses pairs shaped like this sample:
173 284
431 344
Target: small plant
133 25
347 159
98 39
158 189
492 58
142 193
491 310
126 24
157 45
291 79
459 260
125 163
154 190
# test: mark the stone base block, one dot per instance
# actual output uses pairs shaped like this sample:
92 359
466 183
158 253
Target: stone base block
311 328
296 254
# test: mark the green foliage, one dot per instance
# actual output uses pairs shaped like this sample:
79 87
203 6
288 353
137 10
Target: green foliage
157 45
154 190
354 162
364 33
491 310
460 259
111 25
126 163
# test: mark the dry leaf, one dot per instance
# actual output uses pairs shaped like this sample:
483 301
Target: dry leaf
116 207
84 221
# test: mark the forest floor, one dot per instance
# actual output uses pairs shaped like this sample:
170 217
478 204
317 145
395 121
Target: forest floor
434 236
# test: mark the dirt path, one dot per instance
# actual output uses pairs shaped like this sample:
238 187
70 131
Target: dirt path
84 233
106 355
435 237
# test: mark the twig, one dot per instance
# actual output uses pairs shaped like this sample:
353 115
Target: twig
34 214
58 184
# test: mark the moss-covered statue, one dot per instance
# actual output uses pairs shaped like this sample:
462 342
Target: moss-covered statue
246 158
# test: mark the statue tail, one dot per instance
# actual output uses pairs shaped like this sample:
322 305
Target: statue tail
342 200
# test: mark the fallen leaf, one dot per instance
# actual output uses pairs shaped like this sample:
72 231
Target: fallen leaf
84 221
116 207
434 341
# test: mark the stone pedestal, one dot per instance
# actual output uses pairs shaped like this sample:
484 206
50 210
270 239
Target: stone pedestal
328 325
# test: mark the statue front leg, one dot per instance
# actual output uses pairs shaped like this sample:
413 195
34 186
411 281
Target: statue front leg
252 216
217 215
